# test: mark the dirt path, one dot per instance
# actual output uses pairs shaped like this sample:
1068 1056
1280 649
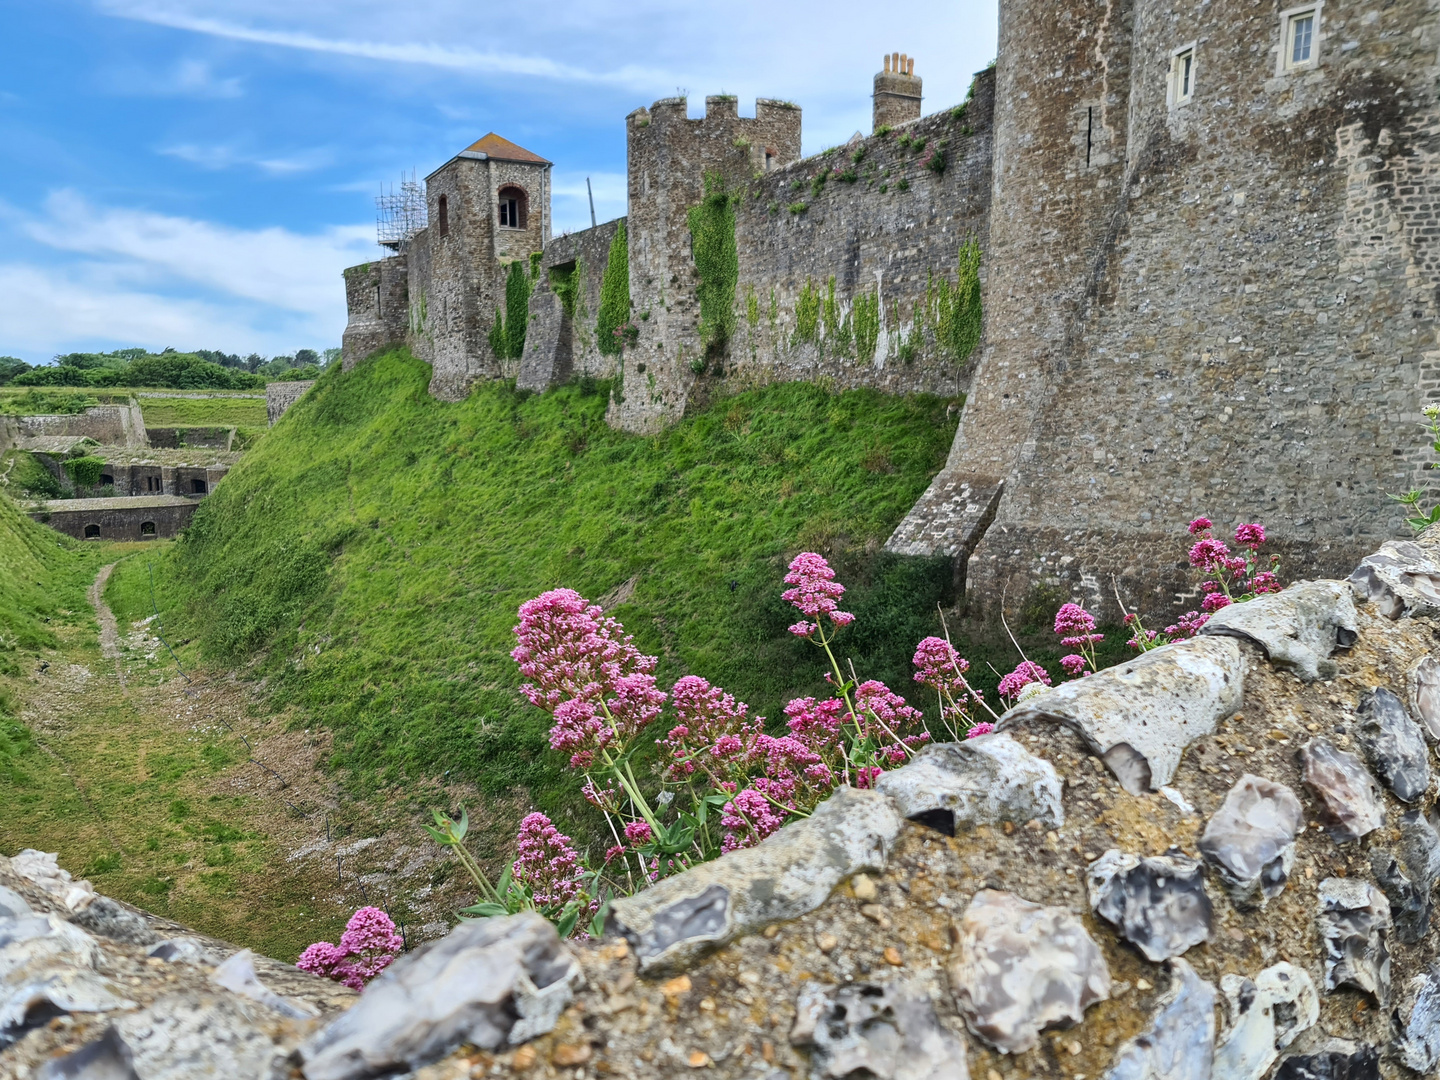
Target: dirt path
109 631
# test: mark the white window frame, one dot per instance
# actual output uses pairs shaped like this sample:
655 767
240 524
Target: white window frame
1176 93
1288 18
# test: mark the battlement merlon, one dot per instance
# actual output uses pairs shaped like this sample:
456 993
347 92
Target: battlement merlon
772 134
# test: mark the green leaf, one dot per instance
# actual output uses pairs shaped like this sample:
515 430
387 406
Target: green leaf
566 926
443 839
485 910
463 826
502 886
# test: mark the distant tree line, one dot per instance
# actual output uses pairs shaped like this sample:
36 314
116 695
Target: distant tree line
203 369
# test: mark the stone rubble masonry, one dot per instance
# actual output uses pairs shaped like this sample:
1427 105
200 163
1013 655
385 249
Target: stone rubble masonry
559 346
279 396
1230 307
120 518
855 939
377 297
110 425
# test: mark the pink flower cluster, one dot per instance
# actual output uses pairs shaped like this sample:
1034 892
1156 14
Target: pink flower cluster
714 734
366 948
940 667
548 864
1228 575
1025 673
587 673
815 593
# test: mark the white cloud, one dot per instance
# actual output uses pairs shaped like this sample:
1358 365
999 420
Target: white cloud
220 157
50 311
425 53
291 271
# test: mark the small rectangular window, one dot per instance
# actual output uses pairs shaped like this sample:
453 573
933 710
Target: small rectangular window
1300 38
1182 75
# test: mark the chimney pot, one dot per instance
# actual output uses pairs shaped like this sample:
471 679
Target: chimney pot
910 67
895 61
887 63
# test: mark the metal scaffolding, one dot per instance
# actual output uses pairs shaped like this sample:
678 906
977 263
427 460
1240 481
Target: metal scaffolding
400 214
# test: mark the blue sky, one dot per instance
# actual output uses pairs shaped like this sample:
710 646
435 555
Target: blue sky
196 173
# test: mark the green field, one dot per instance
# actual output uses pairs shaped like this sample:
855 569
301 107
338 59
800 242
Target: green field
204 412
368 556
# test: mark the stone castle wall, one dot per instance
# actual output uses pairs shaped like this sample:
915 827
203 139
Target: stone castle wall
1230 309
279 396
377 297
558 344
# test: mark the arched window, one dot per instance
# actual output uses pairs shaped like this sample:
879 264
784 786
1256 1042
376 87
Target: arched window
92 532
514 207
147 528
444 216
198 487
107 480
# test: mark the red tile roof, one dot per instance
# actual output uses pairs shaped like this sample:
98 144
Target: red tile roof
494 146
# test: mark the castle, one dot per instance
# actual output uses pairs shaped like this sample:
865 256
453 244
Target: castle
1209 280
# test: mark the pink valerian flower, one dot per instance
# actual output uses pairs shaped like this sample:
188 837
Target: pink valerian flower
613 853
816 724
1251 535
866 775
1214 601
1025 673
638 833
1074 664
1072 620
636 703
815 592
547 862
714 734
581 730
1149 636
1265 582
367 948
1209 554
1199 525
606 798
571 649
747 819
982 728
885 716
1188 625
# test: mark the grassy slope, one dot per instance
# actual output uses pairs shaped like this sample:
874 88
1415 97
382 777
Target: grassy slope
204 411
372 551
43 576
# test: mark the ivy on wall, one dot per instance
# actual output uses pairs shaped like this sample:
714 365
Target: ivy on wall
807 312
85 471
507 336
565 284
866 314
614 295
956 308
712 236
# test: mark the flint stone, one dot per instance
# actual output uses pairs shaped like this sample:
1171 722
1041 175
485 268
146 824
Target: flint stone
1424 685
42 868
31 942
1350 799
181 950
1266 1016
1409 879
1158 904
1354 921
979 781
1399 579
1251 838
56 993
468 987
1140 715
109 918
184 1036
1345 1063
238 976
886 1032
107 1058
13 904
1394 744
1420 1045
1180 1044
786 875
1022 968
1298 628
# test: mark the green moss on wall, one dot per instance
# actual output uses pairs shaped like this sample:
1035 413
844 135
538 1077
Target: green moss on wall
712 235
614 295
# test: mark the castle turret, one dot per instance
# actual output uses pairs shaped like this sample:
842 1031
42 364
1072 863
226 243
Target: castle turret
897 92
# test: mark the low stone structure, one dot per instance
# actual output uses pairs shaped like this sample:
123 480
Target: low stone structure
144 517
1140 885
279 396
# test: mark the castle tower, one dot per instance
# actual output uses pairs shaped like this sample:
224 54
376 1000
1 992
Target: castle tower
897 92
487 206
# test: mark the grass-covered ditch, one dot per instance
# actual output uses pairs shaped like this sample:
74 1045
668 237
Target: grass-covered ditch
367 557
